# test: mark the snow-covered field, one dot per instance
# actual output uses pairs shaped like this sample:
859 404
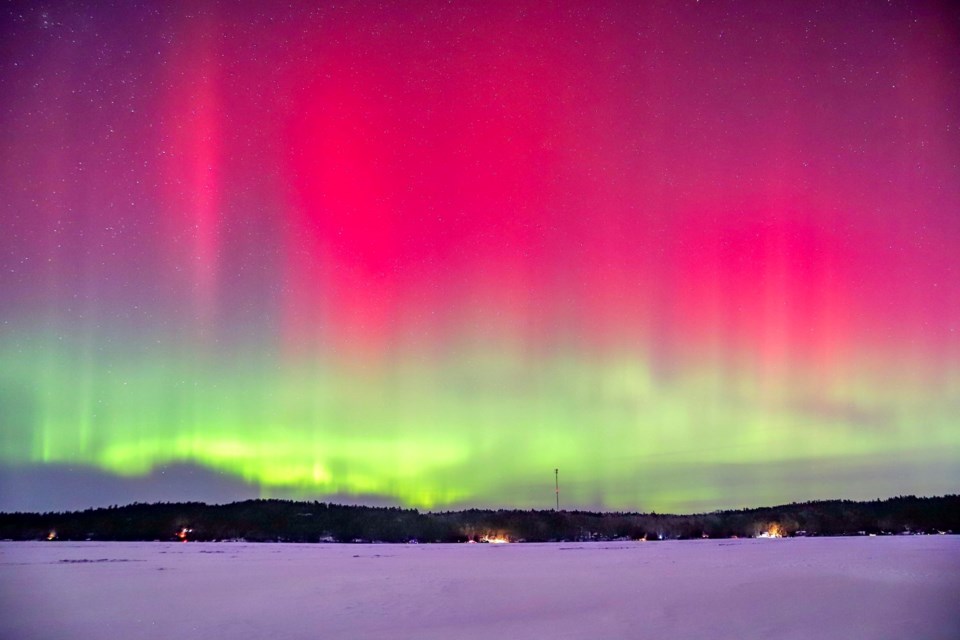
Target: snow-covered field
884 587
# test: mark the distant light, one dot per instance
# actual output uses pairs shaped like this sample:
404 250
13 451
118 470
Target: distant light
495 539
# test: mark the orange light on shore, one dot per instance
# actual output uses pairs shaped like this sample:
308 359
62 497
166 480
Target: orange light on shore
497 539
773 531
182 534
52 535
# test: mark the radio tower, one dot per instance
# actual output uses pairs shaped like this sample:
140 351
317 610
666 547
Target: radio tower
556 486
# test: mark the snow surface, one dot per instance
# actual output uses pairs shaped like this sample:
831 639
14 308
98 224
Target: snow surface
883 587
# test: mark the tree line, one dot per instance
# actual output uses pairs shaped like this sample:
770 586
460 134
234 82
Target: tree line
294 521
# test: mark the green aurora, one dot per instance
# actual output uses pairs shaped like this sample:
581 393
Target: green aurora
473 427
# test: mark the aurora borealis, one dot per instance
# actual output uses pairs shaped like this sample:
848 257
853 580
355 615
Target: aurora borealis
693 254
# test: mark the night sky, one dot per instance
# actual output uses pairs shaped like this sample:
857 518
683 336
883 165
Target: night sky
693 254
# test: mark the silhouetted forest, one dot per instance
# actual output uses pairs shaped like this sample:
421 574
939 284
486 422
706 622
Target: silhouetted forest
289 521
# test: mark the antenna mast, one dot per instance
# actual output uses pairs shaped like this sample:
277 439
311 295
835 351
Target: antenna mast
556 485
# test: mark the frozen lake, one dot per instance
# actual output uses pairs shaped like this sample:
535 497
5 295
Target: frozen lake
884 587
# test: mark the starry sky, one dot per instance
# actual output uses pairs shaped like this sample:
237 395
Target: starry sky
694 255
